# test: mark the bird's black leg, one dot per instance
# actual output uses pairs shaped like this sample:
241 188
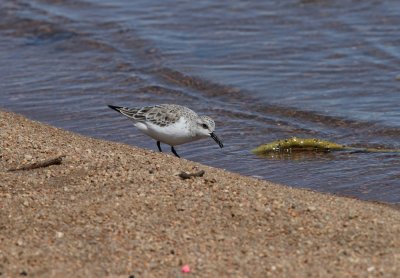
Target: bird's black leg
174 152
159 146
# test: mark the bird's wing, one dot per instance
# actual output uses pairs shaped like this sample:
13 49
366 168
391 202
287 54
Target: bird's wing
162 115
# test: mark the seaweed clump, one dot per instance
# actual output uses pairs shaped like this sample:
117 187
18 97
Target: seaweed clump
295 144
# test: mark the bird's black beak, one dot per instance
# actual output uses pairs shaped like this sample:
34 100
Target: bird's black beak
216 139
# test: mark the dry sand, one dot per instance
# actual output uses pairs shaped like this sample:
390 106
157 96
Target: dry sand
115 210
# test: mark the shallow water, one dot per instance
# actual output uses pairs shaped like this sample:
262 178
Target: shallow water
264 71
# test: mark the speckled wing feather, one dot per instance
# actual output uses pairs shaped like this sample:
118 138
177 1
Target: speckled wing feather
162 115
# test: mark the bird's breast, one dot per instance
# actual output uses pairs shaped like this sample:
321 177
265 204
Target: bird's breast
175 134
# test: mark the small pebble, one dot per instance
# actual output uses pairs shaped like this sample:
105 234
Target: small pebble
59 234
185 268
311 208
28 157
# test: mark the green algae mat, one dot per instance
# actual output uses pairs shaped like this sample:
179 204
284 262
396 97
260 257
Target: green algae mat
295 144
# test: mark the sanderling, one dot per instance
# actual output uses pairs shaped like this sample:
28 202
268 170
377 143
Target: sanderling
170 123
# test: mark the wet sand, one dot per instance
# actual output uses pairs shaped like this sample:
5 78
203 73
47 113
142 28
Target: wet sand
115 210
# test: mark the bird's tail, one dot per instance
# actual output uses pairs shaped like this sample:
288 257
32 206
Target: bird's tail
116 108
129 112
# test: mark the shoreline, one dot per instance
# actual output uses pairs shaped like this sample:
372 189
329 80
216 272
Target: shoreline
111 209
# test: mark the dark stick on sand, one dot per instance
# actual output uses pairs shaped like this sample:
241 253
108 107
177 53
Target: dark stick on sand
185 175
40 164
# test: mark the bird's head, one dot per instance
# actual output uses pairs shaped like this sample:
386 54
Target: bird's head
206 127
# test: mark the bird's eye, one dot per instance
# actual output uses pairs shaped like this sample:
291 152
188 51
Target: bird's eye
204 126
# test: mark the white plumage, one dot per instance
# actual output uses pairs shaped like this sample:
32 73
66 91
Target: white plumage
170 124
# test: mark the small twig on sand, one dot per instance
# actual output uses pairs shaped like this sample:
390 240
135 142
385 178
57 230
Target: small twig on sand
185 175
40 164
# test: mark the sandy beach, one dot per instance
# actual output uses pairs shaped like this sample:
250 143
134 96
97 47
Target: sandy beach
113 210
